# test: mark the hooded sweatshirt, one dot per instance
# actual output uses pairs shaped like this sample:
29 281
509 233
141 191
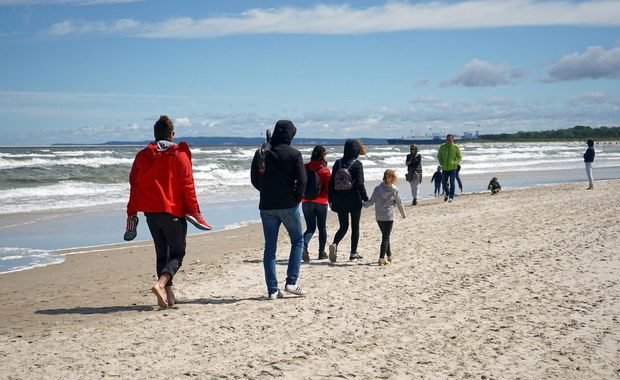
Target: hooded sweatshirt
348 200
386 199
162 180
284 181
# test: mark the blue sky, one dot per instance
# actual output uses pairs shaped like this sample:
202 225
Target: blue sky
90 71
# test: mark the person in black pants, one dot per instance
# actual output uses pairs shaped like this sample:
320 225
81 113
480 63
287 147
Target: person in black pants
348 202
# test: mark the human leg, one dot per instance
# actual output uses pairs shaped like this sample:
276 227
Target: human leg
321 219
355 232
310 217
271 225
415 189
589 174
291 218
458 179
444 181
452 175
343 222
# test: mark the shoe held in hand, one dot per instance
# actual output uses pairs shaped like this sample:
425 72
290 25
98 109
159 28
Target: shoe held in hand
131 230
196 219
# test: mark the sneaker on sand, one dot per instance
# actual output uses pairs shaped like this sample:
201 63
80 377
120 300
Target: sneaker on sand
322 255
295 289
305 256
450 200
275 295
333 252
355 256
383 262
131 230
196 219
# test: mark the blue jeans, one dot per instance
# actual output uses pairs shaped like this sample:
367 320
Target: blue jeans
451 174
315 214
291 219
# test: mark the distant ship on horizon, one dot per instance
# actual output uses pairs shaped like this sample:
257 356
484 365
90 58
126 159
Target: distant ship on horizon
432 139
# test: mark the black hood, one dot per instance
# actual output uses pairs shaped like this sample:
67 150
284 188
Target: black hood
351 149
283 133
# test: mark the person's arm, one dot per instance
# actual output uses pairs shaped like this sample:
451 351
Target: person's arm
254 173
373 198
300 177
186 179
133 176
361 188
399 204
458 155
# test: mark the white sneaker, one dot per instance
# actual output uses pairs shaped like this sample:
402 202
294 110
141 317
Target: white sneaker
275 295
450 200
295 289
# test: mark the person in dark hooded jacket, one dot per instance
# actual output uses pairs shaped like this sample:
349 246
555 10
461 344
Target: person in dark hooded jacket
281 187
348 202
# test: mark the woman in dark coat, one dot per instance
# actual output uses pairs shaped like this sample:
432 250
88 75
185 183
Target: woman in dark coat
348 202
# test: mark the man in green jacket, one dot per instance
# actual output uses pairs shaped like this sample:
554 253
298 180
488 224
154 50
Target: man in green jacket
449 157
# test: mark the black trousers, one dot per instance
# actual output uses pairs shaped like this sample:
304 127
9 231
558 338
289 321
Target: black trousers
169 233
386 230
343 219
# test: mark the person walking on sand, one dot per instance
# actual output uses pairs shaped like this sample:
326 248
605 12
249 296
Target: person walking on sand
162 186
457 176
281 186
346 195
414 172
437 178
315 210
385 197
449 156
588 159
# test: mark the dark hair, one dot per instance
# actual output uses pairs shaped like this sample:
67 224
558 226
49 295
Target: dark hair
449 135
412 147
318 153
590 142
163 128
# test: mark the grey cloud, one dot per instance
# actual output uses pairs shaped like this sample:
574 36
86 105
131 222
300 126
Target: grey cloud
595 63
478 73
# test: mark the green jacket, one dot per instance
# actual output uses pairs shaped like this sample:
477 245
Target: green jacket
449 156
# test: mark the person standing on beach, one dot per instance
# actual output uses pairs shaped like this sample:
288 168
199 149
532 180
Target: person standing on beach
588 159
414 172
281 186
385 197
162 186
437 178
347 200
449 156
315 210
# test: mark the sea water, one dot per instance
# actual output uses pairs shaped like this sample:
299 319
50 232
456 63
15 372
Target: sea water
59 197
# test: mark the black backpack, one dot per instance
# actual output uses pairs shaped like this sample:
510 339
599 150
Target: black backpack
262 152
342 177
313 185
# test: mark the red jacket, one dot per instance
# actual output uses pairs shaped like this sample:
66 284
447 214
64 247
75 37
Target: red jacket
162 181
324 176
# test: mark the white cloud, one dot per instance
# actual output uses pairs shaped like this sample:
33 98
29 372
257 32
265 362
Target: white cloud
182 122
595 63
479 73
393 16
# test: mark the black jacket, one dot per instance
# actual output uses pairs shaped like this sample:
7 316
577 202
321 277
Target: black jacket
348 200
284 181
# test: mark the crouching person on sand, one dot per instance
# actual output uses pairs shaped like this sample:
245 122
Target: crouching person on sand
494 186
385 197
162 186
281 185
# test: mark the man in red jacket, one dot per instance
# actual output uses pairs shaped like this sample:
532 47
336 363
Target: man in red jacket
162 186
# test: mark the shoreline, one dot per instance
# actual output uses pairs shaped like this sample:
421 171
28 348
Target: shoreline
521 284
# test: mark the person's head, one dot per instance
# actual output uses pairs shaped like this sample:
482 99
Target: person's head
354 148
413 148
438 168
318 153
283 132
450 138
590 142
389 177
163 128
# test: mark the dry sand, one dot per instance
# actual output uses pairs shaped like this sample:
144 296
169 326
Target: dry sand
524 285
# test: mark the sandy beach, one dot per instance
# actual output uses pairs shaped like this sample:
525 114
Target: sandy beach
524 284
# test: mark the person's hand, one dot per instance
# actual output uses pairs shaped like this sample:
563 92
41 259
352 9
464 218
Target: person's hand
131 229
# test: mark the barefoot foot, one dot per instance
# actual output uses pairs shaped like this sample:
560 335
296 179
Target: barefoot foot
170 296
160 296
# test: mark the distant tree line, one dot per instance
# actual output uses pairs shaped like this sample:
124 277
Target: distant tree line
579 132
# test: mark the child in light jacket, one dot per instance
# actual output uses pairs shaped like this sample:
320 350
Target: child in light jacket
385 197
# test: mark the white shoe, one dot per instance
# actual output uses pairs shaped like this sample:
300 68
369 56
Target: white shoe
275 295
295 289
